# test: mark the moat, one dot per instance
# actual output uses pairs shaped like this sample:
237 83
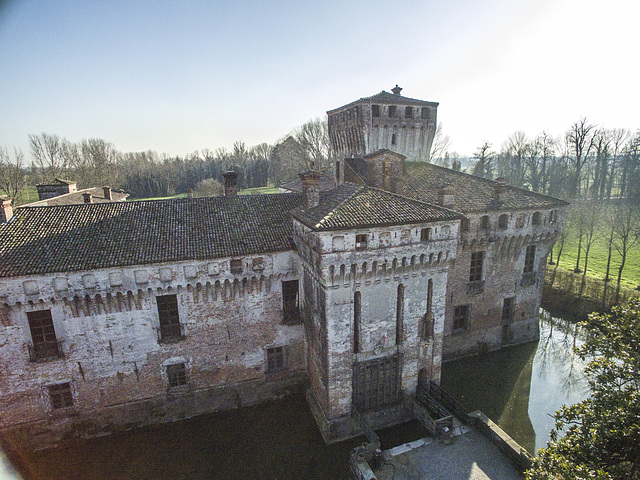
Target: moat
518 388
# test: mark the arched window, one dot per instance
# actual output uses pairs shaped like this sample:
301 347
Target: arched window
503 221
393 139
536 219
357 306
400 315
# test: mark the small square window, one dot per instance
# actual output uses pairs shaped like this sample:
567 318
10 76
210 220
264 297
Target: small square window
503 221
392 111
275 359
236 266
425 112
464 224
408 112
177 375
425 234
361 241
60 395
484 222
375 110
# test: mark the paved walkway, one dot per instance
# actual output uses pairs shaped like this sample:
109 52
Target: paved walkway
468 456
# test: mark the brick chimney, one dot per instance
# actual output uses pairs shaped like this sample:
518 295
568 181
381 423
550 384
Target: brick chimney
500 189
310 181
6 212
230 183
396 90
107 193
86 196
447 196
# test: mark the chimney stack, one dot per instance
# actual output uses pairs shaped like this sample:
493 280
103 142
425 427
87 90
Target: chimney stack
107 193
500 189
86 196
396 90
447 196
310 181
230 183
6 212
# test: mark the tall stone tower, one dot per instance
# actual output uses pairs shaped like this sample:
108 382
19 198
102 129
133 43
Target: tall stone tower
383 121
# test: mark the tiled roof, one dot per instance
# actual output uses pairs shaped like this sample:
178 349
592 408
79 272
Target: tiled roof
39 240
97 195
352 206
56 182
389 98
423 182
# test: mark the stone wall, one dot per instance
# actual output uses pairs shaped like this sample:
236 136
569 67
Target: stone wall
112 355
503 277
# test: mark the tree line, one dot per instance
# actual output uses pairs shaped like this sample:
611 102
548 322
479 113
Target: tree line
587 161
96 162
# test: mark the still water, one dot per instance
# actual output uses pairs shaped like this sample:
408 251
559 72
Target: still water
519 388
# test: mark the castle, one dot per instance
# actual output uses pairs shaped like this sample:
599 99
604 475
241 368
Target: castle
119 314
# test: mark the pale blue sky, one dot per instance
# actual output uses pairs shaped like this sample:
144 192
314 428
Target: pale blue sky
182 76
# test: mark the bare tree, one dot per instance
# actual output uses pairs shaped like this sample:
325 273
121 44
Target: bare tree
620 137
13 177
591 214
313 138
484 161
440 146
516 148
48 151
626 234
580 139
602 140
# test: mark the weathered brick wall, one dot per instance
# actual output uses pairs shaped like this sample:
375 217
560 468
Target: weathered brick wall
107 321
504 254
393 256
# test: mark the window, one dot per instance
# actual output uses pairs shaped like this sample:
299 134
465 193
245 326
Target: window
536 219
170 328
236 266
408 112
529 259
425 112
392 111
475 272
503 221
507 310
393 139
484 222
375 110
464 224
290 303
357 308
361 241
45 345
177 375
338 172
460 318
400 315
553 216
60 395
425 234
275 359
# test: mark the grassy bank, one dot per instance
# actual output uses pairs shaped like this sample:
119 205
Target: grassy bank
597 266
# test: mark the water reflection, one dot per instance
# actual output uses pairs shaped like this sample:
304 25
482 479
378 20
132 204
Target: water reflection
520 387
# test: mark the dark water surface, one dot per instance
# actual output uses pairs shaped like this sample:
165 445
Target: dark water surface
278 440
520 387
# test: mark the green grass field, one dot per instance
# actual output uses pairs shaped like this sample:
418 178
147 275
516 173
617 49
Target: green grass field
597 266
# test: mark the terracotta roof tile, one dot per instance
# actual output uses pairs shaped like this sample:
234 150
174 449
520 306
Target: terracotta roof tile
40 240
423 182
352 206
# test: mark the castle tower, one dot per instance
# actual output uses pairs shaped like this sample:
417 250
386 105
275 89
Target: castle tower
383 121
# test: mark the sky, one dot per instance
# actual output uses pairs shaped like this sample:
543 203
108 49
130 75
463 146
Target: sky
176 77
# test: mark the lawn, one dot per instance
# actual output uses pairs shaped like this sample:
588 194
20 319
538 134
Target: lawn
597 266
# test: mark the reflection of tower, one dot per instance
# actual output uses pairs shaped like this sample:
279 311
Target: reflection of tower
383 121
